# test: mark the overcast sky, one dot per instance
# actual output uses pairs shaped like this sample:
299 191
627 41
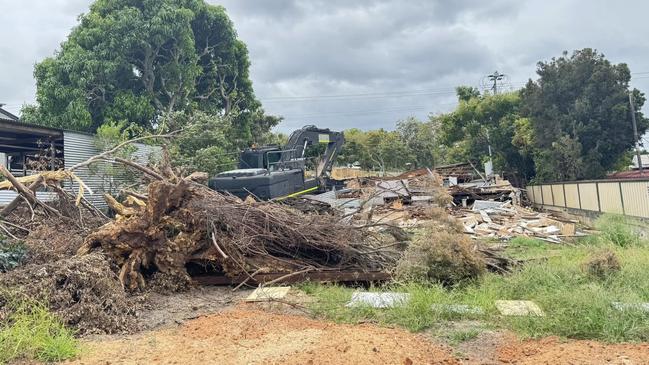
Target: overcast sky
367 63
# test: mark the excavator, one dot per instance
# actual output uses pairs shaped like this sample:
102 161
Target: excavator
273 173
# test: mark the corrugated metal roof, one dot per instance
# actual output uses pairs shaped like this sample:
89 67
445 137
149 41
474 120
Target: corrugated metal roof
5 115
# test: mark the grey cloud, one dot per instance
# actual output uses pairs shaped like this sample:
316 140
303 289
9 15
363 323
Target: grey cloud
405 57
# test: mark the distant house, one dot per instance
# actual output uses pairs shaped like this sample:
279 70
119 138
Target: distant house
28 148
634 169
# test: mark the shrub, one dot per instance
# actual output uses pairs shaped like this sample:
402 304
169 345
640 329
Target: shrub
11 254
440 256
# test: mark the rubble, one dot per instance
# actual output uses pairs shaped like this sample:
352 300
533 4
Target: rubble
503 221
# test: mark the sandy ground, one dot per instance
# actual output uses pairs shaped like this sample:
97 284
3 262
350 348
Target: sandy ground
248 336
552 350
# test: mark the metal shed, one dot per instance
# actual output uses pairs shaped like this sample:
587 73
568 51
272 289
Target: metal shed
22 142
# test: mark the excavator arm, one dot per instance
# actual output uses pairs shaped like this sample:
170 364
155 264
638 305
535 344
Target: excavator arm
300 139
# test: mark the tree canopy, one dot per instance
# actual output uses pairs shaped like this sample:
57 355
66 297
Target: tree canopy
135 60
580 116
481 121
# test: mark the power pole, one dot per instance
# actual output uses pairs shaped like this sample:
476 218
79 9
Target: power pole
635 132
495 77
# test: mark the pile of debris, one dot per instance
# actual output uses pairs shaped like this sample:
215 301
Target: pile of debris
82 290
503 220
184 223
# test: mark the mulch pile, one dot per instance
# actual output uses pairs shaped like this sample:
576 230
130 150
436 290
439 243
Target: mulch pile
82 290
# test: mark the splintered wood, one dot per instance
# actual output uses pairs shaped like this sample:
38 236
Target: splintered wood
503 220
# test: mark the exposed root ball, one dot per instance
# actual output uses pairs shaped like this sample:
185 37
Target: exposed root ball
187 222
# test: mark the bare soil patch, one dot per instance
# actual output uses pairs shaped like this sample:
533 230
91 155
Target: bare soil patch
552 350
243 336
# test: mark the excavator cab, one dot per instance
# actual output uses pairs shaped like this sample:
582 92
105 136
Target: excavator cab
271 172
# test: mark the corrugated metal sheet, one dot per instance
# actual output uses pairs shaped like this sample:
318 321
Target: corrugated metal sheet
636 198
557 193
7 196
546 190
100 177
572 196
588 195
610 200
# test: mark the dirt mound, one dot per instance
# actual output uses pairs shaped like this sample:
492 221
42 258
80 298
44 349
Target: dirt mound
552 350
81 290
602 264
50 238
256 337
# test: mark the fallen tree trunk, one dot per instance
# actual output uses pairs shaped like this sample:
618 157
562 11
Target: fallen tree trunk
26 192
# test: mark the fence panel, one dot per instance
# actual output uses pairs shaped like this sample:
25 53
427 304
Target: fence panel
572 196
588 196
546 191
606 196
557 195
635 195
610 199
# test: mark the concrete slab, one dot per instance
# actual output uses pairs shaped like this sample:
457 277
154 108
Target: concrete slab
457 308
378 300
518 308
634 307
262 294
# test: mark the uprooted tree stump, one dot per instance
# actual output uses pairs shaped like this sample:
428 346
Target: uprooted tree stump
186 222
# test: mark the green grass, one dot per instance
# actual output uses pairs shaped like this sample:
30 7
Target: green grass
576 304
457 337
32 332
620 230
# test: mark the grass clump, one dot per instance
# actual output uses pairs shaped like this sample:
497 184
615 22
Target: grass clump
618 230
602 264
441 257
457 337
32 332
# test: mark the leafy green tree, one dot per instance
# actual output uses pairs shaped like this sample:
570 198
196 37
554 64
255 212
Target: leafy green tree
203 144
580 116
387 151
136 60
355 149
421 140
480 121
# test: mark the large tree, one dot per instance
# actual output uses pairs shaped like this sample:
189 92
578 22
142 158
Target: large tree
421 140
483 121
136 60
580 119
